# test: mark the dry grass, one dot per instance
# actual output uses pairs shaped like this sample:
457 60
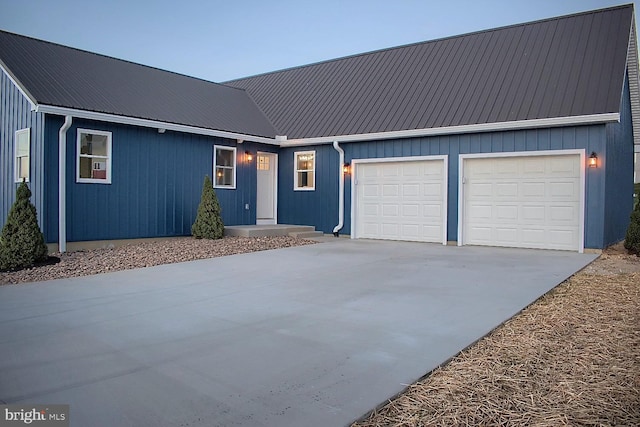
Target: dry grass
572 358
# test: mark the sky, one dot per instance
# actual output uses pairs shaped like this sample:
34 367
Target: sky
223 40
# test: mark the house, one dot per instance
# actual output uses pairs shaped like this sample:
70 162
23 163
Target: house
521 136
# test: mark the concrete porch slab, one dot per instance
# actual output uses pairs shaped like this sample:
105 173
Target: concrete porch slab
272 230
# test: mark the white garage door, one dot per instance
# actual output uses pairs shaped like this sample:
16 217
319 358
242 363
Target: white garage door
401 200
524 202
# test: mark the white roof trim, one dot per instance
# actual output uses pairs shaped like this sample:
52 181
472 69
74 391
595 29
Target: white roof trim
22 90
483 127
113 118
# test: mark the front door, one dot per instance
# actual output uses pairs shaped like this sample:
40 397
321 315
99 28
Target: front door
266 205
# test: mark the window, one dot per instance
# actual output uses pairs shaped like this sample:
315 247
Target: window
263 163
22 150
305 170
224 160
94 157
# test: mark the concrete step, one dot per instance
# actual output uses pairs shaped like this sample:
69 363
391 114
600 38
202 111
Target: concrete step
306 234
266 230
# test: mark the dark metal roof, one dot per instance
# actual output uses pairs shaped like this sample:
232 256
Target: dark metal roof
567 66
65 77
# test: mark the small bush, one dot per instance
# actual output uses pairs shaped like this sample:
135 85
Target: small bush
21 242
208 224
632 239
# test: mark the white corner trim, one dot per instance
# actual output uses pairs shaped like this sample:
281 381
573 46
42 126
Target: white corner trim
114 118
483 127
22 89
580 152
445 179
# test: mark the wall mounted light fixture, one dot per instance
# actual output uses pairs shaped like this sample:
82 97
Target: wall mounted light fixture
593 160
248 156
346 168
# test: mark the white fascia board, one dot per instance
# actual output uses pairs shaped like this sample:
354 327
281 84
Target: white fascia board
22 89
113 118
483 127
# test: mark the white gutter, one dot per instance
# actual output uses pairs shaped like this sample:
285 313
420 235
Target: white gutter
114 118
483 127
62 185
338 227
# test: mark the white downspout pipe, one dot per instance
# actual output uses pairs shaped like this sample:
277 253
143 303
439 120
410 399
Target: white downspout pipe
338 227
62 185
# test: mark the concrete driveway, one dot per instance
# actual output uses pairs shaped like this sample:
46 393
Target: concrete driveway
306 336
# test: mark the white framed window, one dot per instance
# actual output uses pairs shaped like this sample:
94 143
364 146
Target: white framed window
22 153
224 167
304 174
93 156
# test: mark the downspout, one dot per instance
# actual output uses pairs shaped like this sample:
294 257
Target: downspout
62 185
338 227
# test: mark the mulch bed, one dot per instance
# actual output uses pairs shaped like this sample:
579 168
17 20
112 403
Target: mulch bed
572 358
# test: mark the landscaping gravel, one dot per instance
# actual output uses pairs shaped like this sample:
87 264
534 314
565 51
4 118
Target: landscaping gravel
83 263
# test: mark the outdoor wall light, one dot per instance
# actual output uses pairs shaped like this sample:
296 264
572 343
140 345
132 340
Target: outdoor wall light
593 160
346 168
248 156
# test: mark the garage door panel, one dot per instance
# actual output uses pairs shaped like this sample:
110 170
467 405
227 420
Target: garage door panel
411 190
529 202
533 189
390 229
370 209
390 190
370 190
480 189
478 211
390 210
507 189
391 170
567 189
432 232
506 212
531 166
506 235
563 214
409 200
410 210
432 190
432 210
411 170
533 213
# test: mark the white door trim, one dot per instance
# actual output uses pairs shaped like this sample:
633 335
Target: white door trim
445 178
275 189
580 152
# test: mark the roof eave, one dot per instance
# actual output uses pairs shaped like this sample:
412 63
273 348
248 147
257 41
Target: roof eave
21 88
134 121
448 130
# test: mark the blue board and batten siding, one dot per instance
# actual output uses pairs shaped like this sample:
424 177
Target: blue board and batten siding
155 188
318 207
618 197
16 114
312 208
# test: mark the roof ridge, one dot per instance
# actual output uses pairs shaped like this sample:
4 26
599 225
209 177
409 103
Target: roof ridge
118 59
424 42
